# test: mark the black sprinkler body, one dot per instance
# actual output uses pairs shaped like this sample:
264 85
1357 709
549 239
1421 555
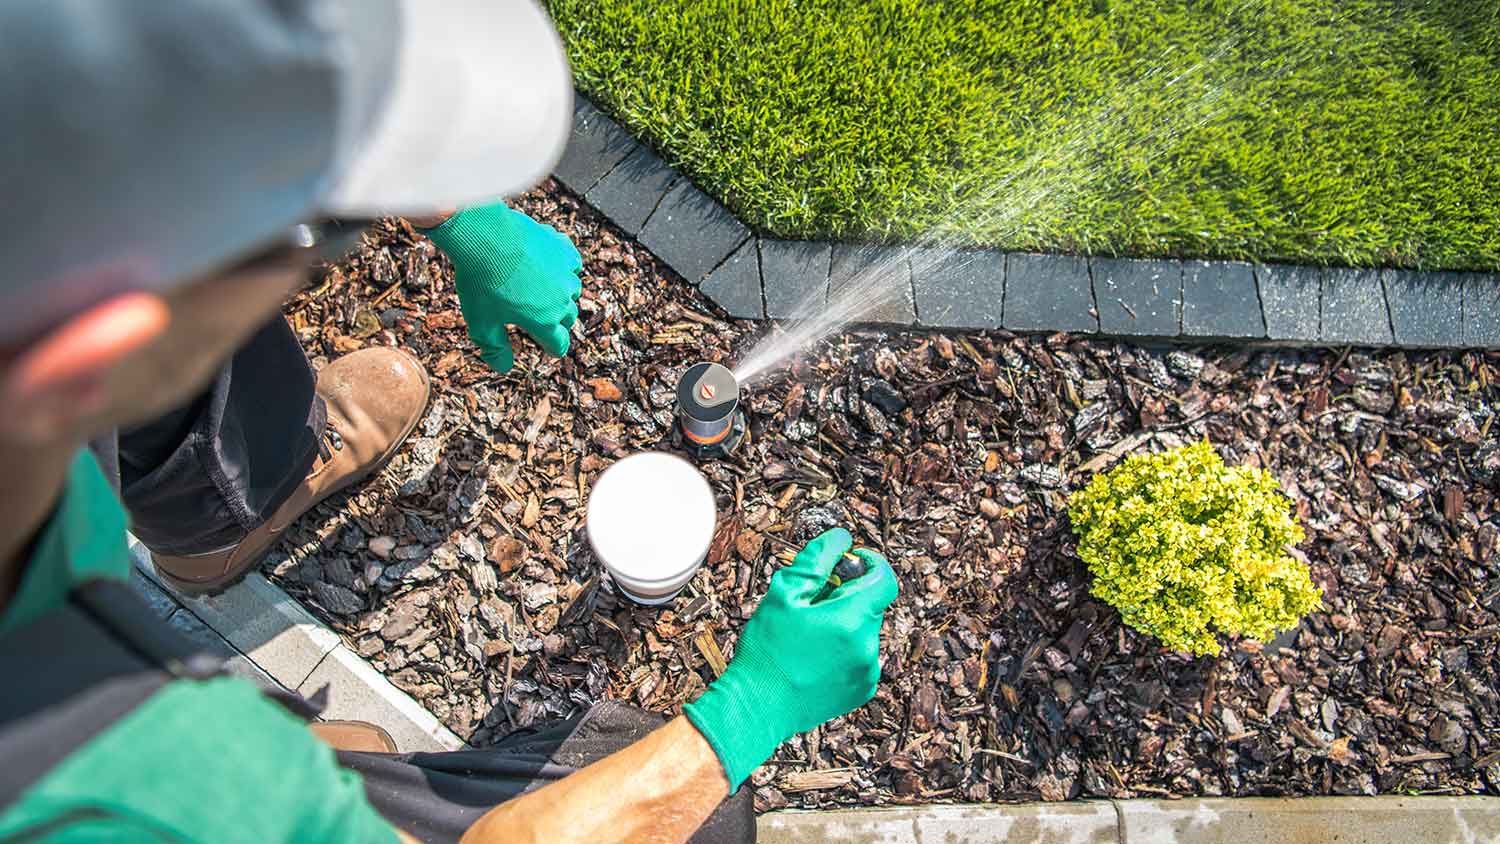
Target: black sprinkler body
708 411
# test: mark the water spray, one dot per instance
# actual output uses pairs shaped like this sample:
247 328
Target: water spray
708 411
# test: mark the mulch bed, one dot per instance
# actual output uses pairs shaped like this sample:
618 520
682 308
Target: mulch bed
463 574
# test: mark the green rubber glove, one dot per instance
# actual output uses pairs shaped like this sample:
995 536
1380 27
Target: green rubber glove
799 662
511 270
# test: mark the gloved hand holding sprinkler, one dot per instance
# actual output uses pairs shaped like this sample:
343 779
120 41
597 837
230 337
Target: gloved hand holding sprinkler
811 652
511 270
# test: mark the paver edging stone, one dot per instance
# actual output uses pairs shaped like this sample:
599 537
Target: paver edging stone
1235 301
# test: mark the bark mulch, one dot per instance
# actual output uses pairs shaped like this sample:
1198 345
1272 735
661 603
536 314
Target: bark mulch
462 572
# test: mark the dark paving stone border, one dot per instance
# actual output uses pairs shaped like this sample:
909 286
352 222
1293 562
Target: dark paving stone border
1138 298
630 193
755 277
957 288
890 299
1048 293
1221 299
1291 298
793 273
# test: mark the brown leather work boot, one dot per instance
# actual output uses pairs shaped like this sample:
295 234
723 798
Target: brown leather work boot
375 397
360 736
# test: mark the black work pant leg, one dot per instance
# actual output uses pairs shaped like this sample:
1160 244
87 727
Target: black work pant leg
203 475
436 796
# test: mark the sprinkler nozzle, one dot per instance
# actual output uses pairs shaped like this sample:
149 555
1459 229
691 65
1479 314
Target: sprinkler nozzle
709 416
849 567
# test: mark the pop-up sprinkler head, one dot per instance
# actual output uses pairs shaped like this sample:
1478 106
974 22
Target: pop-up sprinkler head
708 411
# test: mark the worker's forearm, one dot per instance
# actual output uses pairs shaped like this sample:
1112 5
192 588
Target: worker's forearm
656 791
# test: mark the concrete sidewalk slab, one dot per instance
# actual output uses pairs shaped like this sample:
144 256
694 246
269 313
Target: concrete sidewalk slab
1086 822
358 692
268 638
1301 820
189 625
155 597
266 625
1346 820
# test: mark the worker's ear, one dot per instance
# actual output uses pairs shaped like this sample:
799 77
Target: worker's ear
59 379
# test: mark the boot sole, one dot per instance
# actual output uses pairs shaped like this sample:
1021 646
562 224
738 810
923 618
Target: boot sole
202 588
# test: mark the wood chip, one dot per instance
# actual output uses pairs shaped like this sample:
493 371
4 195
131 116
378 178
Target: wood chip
828 778
709 647
604 389
506 552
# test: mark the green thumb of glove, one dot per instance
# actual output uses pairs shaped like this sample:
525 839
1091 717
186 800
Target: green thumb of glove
511 270
801 660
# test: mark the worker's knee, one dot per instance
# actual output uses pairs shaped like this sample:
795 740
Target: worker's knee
732 823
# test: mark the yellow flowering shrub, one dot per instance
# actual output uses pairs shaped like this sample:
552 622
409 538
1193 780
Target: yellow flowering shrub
1187 548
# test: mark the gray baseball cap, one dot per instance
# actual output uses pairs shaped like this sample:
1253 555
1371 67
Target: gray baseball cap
145 143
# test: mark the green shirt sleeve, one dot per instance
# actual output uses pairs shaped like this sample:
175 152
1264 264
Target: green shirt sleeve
84 539
210 761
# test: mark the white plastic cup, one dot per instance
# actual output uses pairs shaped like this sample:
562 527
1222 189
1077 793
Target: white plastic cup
650 521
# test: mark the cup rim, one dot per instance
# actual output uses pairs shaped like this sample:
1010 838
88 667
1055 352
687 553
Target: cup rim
681 576
684 576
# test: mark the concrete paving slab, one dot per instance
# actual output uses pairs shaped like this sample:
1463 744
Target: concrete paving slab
1219 300
1089 822
357 692
1482 310
795 274
596 145
735 284
692 232
633 189
1138 298
1427 308
155 597
1346 820
871 284
266 625
235 662
958 288
1048 293
1291 298
1354 310
140 556
264 636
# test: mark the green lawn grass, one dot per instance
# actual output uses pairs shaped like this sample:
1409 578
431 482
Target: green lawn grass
1333 131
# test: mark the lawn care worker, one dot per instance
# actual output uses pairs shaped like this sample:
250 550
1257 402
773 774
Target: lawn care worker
158 158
